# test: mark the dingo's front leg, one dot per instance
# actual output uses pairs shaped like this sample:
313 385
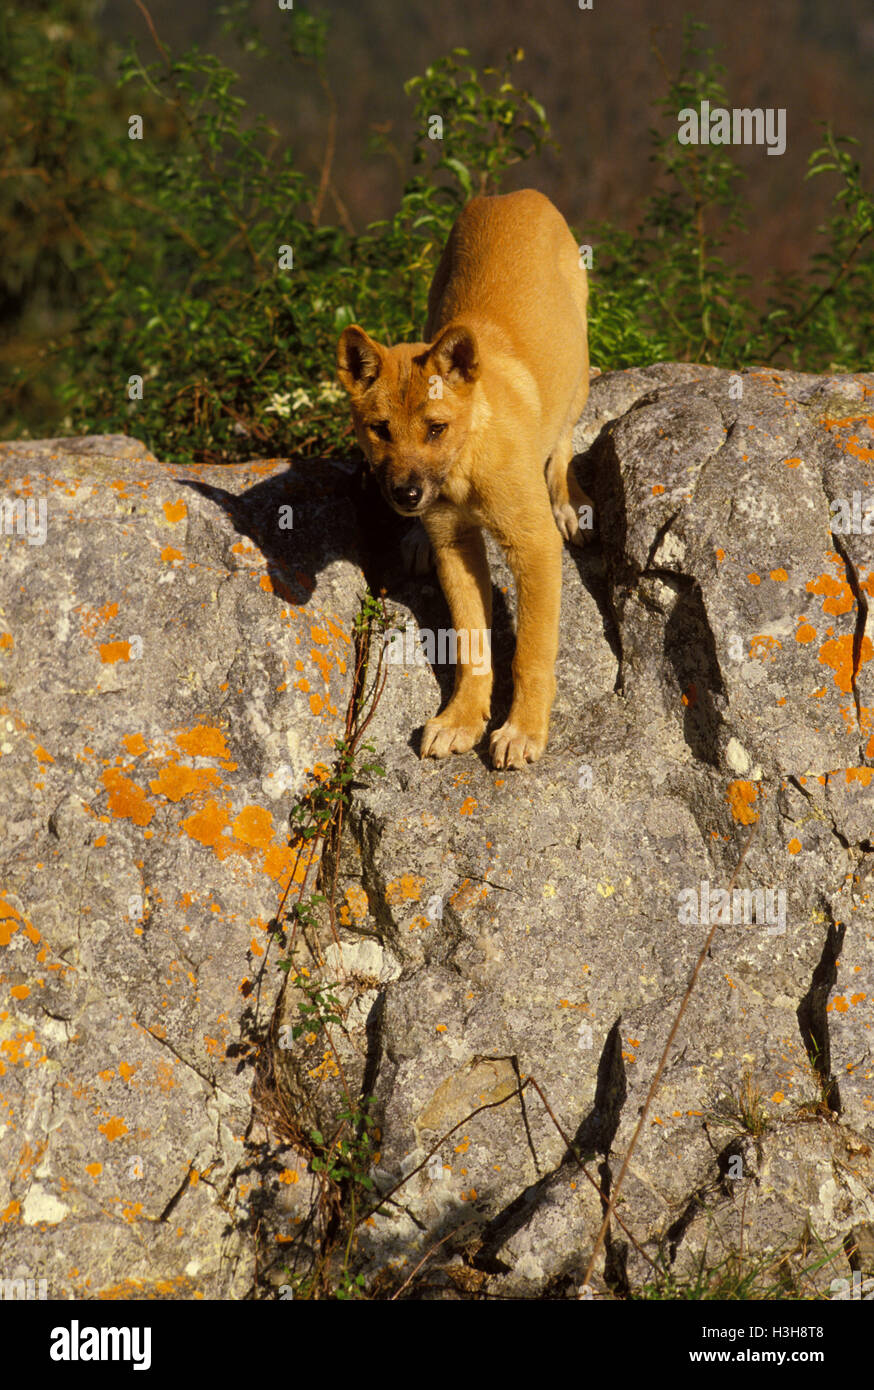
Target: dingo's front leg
534 551
460 557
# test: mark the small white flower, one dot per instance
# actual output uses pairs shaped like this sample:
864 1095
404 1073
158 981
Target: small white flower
330 392
279 405
300 399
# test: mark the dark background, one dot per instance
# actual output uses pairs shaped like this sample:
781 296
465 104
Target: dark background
593 70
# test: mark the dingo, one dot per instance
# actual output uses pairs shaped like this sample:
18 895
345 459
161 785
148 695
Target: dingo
461 430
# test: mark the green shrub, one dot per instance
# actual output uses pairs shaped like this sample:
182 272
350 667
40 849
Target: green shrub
667 291
198 260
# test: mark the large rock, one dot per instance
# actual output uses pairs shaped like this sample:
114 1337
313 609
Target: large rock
719 680
714 683
171 670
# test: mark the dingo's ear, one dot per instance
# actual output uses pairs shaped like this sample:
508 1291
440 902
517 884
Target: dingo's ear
456 355
359 360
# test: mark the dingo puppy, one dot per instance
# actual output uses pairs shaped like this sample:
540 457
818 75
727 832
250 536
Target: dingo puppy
473 428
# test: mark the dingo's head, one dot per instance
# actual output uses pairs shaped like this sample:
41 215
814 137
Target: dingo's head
411 408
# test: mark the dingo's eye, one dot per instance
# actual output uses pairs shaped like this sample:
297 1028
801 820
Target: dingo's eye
436 428
381 429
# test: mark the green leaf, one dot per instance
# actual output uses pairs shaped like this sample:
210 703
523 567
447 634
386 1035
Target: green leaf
460 170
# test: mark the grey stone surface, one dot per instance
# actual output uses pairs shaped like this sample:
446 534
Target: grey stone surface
714 682
172 664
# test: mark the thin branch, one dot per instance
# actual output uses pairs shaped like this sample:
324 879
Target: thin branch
16 173
85 241
330 146
427 1255
342 210
145 206
584 1170
824 292
201 148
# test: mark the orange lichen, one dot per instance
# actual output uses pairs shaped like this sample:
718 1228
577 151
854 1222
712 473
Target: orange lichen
740 797
127 801
203 742
113 1128
407 888
110 652
10 921
254 826
764 648
838 594
164 1077
249 835
356 903
862 775
176 781
208 825
90 619
852 444
838 655
13 1049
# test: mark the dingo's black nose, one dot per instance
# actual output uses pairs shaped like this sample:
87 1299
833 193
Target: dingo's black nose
407 495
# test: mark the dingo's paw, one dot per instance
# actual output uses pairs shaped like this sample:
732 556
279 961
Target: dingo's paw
416 552
512 746
447 734
568 523
575 515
